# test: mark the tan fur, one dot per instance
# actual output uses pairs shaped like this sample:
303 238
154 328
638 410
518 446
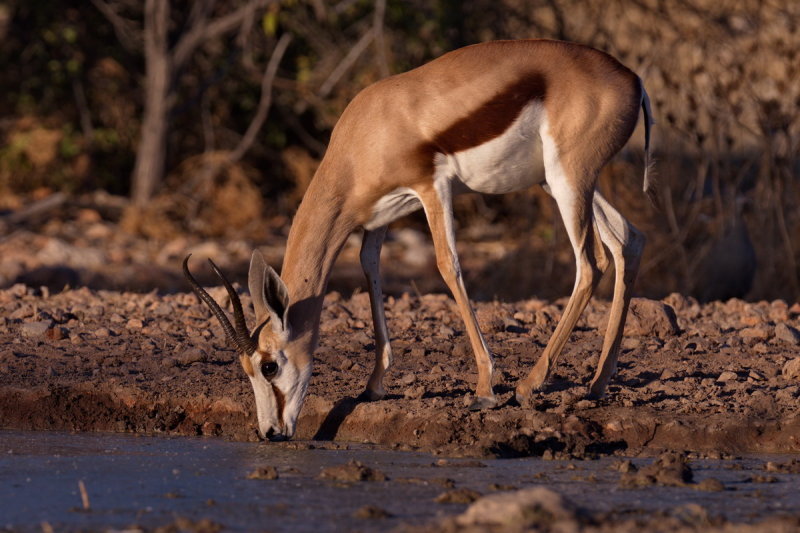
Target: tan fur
388 136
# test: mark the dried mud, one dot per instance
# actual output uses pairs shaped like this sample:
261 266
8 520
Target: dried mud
718 379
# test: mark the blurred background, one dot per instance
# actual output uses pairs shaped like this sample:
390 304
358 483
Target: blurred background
133 132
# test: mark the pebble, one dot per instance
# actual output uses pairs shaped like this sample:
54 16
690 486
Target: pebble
134 323
352 471
787 334
727 376
791 370
520 510
36 329
265 472
370 512
753 333
458 496
414 393
102 333
192 355
710 485
55 334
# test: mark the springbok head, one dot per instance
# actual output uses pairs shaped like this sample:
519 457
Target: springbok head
278 383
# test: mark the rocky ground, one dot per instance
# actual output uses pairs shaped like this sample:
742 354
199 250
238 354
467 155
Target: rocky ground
719 379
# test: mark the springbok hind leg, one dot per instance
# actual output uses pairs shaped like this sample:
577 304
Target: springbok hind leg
626 244
370 263
575 205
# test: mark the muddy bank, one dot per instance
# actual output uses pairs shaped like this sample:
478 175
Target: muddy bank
721 378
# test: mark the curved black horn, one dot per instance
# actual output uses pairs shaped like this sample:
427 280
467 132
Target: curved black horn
242 334
246 348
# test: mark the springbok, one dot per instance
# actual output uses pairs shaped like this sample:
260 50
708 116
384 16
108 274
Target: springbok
472 120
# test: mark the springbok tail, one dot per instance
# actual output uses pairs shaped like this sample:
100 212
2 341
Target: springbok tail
648 186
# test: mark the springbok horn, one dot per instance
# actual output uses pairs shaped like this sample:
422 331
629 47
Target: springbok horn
242 334
243 343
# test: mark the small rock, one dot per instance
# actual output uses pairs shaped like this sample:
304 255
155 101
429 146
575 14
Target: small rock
787 334
670 470
102 333
370 512
134 323
521 509
446 331
458 496
758 478
35 329
710 485
755 333
265 472
727 376
352 471
192 355
624 466
56 333
791 370
23 312
414 393
668 373
651 317
408 379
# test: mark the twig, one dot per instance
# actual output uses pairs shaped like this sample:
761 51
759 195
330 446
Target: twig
83 110
84 495
202 31
39 207
346 63
266 99
123 28
380 45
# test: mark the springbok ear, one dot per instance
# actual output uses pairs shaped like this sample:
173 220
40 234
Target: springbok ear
270 297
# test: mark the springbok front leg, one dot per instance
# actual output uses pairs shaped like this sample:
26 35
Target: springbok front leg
438 204
370 263
573 194
626 244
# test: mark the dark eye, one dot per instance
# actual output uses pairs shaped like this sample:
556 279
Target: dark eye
269 369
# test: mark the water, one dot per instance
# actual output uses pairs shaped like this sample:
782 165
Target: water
149 482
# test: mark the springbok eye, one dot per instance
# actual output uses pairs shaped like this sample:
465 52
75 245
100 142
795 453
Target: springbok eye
269 369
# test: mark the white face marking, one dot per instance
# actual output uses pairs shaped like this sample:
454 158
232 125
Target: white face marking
292 382
509 162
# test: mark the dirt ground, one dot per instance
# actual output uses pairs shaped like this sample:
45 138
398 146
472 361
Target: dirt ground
718 379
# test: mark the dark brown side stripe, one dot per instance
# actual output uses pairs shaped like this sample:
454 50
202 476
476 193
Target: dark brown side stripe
493 117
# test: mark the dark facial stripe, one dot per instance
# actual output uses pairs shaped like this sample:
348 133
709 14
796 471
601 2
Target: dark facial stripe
493 117
280 401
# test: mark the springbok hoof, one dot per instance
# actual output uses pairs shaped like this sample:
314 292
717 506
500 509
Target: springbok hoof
370 396
483 402
595 393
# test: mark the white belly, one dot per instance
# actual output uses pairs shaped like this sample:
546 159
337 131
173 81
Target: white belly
510 162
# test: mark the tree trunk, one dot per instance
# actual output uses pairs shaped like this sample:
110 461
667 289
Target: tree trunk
151 153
